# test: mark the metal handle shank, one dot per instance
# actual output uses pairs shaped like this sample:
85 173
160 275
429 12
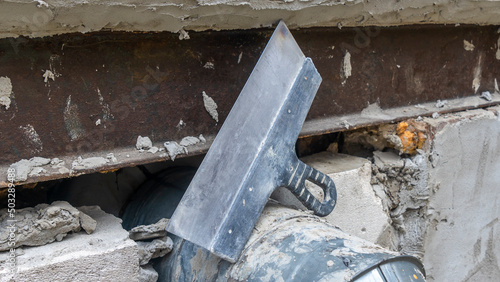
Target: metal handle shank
297 185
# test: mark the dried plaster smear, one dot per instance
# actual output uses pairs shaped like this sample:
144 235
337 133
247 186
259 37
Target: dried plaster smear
29 18
5 91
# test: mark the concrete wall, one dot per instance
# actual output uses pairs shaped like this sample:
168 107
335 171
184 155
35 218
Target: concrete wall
463 233
41 18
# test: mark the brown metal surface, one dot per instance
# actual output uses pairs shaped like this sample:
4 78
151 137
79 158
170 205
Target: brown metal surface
144 84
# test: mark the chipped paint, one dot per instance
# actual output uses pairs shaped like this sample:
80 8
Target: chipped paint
32 138
5 91
346 67
210 106
72 121
468 46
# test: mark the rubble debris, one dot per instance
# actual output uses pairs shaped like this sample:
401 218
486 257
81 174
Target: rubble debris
401 183
183 35
202 139
87 223
486 95
147 274
88 163
111 157
5 91
154 249
43 224
153 150
173 149
210 106
143 143
435 115
189 141
152 231
468 46
24 168
441 104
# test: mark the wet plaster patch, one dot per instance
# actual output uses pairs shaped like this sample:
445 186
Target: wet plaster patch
5 91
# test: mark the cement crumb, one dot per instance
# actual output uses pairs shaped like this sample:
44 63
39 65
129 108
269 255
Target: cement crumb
183 35
441 104
48 74
98 122
468 46
40 225
173 149
147 274
154 249
24 168
153 150
5 91
111 157
346 67
202 139
87 223
88 163
56 163
210 106
152 231
189 141
239 57
345 124
486 95
42 3
143 143
36 171
435 115
209 65
181 124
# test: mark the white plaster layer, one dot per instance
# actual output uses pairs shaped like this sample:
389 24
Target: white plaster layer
42 18
461 242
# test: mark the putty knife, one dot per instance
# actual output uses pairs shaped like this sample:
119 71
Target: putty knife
254 153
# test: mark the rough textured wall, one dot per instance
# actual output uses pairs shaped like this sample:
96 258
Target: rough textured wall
41 18
461 242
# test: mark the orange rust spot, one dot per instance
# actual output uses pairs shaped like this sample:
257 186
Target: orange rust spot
415 277
411 135
110 170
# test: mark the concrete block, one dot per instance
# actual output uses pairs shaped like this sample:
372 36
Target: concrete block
105 255
359 211
463 232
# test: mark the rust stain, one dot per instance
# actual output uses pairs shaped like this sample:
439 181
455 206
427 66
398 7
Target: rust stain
412 136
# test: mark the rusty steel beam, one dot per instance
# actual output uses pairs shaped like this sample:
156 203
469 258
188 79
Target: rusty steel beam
93 94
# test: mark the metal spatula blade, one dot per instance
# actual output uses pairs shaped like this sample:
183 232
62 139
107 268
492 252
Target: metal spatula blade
253 154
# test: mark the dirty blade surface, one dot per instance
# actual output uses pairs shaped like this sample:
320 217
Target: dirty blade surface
252 153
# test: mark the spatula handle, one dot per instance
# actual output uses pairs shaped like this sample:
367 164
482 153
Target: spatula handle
297 185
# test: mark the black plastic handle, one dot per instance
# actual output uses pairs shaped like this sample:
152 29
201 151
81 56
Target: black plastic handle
301 172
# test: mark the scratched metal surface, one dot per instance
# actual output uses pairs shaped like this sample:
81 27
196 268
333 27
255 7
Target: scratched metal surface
145 83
